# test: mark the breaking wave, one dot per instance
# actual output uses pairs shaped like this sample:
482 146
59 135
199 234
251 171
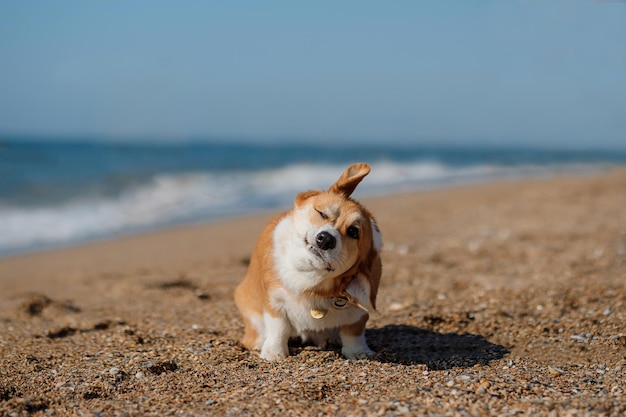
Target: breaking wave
170 199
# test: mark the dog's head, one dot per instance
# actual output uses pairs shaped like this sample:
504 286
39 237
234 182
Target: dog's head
339 239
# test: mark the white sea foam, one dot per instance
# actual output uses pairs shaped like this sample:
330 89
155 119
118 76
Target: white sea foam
174 199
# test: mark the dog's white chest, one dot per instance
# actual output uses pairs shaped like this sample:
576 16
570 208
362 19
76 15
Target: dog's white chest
308 314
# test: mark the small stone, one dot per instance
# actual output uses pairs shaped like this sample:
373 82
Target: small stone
396 306
139 375
553 370
202 295
402 249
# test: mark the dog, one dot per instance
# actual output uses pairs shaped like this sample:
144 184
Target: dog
314 274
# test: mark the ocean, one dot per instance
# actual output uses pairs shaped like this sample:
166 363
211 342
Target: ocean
61 193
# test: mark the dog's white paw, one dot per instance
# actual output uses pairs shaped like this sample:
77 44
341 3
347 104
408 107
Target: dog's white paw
361 352
274 353
355 347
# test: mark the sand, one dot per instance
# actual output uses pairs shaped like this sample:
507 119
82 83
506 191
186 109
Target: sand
496 299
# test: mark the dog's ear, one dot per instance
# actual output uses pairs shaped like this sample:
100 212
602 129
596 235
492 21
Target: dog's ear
363 289
305 195
350 178
359 292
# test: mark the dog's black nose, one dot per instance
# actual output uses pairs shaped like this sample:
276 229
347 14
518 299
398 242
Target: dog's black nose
325 241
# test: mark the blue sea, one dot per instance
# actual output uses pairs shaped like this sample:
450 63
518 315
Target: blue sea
56 193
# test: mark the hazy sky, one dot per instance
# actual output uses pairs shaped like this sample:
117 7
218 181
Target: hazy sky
507 72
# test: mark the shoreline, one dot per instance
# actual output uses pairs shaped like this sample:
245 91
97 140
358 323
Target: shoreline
451 185
374 192
193 230
497 298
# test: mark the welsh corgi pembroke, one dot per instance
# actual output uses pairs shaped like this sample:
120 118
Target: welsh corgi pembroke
314 273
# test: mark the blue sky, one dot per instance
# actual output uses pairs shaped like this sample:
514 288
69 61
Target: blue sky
548 73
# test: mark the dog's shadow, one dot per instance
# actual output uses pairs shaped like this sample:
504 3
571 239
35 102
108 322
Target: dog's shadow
409 345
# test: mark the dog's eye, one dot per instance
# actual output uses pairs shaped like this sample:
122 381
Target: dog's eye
324 216
353 232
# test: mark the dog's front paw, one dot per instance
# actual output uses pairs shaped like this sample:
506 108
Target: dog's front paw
274 353
273 356
357 352
355 347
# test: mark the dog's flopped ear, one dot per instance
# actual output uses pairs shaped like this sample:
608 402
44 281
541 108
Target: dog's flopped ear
303 196
350 178
359 293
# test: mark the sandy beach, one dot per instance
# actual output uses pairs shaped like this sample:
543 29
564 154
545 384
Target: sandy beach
496 299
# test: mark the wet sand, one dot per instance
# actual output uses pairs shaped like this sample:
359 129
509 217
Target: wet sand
503 298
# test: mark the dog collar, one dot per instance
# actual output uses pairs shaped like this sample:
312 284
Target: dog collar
337 302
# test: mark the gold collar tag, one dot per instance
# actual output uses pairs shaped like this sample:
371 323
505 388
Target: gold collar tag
318 314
